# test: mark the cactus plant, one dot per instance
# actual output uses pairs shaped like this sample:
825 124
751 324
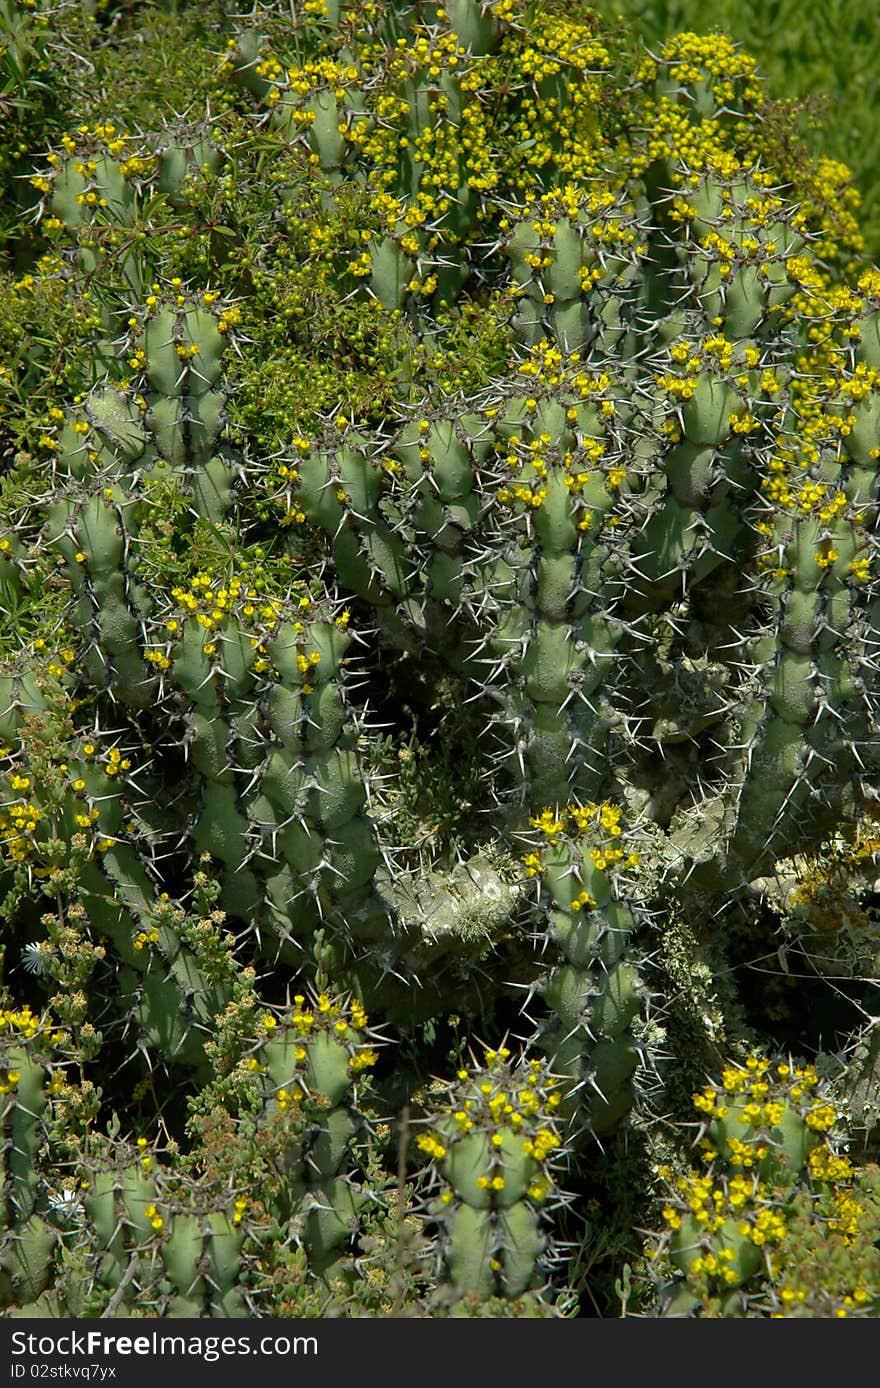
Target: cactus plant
773 1175
441 569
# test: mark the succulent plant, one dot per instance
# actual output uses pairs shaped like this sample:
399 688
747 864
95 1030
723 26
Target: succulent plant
448 567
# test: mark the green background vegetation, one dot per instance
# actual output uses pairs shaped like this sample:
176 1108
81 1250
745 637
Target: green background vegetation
184 1127
825 56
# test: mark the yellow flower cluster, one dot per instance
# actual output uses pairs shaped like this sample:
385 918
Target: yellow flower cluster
19 1024
496 1100
721 1210
18 825
430 1144
755 1080
19 1021
600 820
211 600
95 152
531 455
605 816
689 141
324 1015
561 69
752 1189
156 1221
285 1097
29 811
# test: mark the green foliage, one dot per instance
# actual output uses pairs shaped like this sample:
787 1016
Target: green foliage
774 1199
820 65
438 586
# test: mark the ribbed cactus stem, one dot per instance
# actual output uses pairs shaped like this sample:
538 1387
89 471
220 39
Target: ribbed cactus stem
492 1148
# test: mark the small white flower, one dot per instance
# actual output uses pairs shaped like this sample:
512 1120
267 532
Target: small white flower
66 1204
34 958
